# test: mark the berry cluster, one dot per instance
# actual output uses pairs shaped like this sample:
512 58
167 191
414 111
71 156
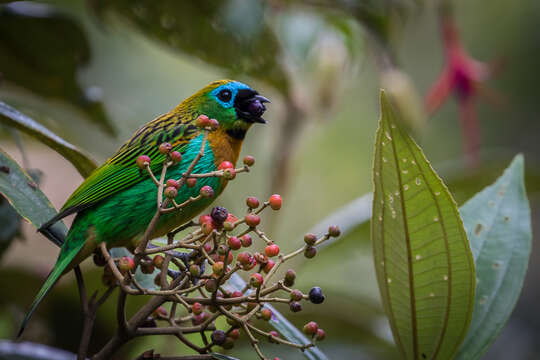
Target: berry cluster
192 282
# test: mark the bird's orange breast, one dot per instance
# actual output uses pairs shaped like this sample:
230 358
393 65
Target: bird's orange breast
224 147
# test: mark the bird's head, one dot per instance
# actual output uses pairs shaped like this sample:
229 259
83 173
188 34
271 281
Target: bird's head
233 104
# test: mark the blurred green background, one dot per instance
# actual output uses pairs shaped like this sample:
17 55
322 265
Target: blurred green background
95 71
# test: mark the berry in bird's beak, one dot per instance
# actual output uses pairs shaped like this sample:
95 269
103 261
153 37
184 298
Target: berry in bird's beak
250 106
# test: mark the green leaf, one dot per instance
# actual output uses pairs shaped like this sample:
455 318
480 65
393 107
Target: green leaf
11 223
498 223
222 357
82 162
24 194
423 261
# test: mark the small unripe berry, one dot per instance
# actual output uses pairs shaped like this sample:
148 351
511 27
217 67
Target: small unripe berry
196 308
229 174
125 263
158 261
310 252
172 183
249 160
334 231
142 161
170 192
269 265
320 335
234 243
275 334
275 202
271 250
160 312
210 285
219 214
310 239
165 148
218 268
252 202
252 220
234 333
296 295
147 267
266 314
207 192
175 156
194 270
246 240
225 165
214 124
256 280
311 328
202 121
218 337
295 306
222 249
290 276
191 182
316 295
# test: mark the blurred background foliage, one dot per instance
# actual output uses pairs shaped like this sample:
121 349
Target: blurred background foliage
94 71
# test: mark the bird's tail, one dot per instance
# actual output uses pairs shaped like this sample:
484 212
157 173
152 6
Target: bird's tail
70 249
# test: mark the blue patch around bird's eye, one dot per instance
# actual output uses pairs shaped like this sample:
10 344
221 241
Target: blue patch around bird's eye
225 94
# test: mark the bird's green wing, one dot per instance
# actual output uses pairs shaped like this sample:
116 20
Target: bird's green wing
121 172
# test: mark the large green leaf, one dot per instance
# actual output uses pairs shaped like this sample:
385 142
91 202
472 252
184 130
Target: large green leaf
498 223
423 262
24 194
82 162
42 50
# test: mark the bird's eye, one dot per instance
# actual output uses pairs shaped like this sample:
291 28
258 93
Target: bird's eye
225 95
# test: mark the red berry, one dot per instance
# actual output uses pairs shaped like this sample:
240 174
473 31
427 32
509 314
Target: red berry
334 231
236 294
196 308
158 261
256 280
234 333
170 192
142 161
175 156
320 335
172 183
310 252
252 220
160 312
310 239
207 192
244 258
249 160
214 124
205 219
275 202
207 247
125 263
311 328
266 314
218 268
165 148
234 243
225 165
246 240
269 265
275 334
252 202
191 182
296 295
202 121
271 250
230 258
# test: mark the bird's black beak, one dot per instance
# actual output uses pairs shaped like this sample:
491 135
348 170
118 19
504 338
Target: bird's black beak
249 106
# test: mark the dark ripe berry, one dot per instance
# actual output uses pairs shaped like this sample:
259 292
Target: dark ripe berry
195 270
158 261
275 202
316 295
225 165
165 148
210 285
236 294
296 295
295 306
311 328
290 276
275 334
310 252
228 344
202 121
234 243
218 268
219 214
269 265
149 322
320 335
266 314
252 202
256 280
310 239
214 124
234 333
246 240
191 182
218 337
249 160
244 258
172 183
170 192
160 312
229 174
252 220
99 259
196 308
271 250
334 231
147 267
142 161
175 156
125 263
207 192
